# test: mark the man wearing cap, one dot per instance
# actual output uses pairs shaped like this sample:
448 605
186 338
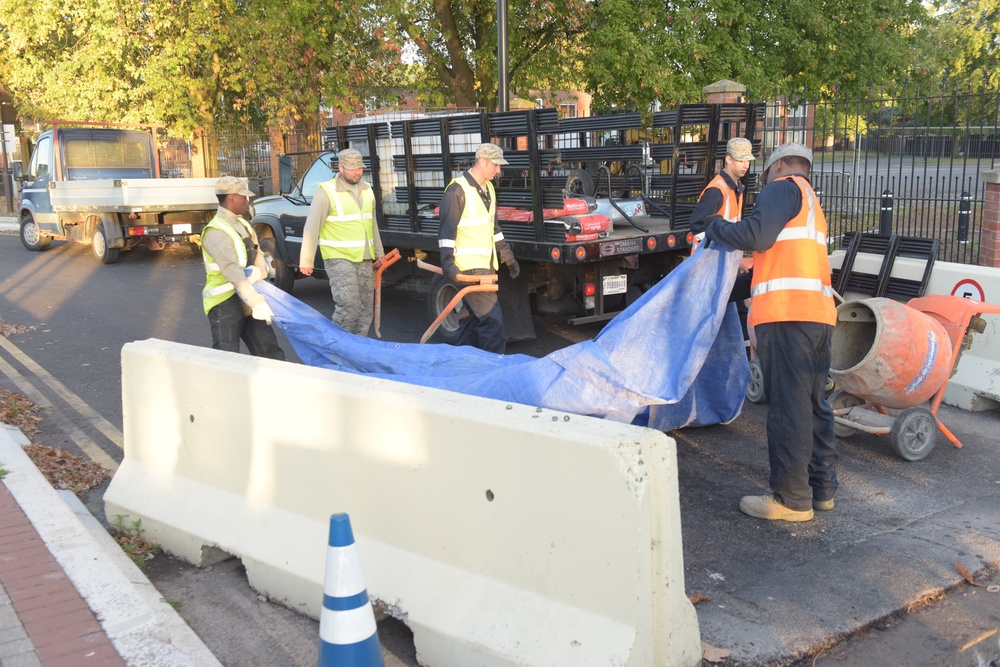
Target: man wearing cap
234 308
793 313
724 194
341 221
470 240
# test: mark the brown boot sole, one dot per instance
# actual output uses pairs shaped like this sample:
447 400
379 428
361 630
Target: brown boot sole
787 515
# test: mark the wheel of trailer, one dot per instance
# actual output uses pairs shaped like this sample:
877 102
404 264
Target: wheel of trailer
31 238
279 273
839 400
913 433
439 294
755 387
104 253
580 182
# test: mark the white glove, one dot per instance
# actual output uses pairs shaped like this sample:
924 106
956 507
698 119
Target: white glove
253 274
262 311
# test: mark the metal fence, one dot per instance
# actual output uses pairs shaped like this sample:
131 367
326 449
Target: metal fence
904 162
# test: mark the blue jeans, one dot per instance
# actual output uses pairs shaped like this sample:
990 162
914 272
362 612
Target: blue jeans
230 324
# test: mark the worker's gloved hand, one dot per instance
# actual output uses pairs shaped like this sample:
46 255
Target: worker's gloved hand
253 274
262 311
514 268
378 262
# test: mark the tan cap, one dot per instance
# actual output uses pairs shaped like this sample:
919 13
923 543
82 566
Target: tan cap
232 185
491 152
789 149
351 158
740 150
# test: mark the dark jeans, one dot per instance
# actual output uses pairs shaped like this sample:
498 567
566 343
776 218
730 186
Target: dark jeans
795 361
230 325
483 331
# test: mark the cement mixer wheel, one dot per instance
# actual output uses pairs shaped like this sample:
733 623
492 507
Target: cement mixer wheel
755 386
913 433
838 400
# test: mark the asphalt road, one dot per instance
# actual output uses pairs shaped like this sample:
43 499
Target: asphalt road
878 571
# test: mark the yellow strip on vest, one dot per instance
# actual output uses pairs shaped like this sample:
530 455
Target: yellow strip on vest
472 251
216 291
343 244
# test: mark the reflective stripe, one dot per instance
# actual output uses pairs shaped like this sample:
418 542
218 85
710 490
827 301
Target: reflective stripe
803 284
216 291
343 572
498 237
345 217
446 243
347 627
211 266
802 233
343 244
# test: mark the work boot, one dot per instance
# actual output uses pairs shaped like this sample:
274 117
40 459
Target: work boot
766 507
823 505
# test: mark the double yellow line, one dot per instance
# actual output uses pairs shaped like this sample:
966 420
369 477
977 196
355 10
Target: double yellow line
67 425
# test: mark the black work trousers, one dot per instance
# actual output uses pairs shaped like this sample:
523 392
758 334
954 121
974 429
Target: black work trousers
230 324
485 330
795 362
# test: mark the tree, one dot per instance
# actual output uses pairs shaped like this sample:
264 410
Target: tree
964 44
190 64
642 50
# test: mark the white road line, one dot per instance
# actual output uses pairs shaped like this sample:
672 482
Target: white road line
81 439
87 412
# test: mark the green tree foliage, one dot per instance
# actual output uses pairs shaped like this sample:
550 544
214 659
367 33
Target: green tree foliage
642 50
963 44
190 64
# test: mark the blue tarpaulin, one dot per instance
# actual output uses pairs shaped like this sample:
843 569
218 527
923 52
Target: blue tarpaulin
673 358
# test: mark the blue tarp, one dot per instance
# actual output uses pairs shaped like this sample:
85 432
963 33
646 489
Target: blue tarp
673 358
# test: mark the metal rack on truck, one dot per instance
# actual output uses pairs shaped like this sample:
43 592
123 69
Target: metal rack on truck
595 209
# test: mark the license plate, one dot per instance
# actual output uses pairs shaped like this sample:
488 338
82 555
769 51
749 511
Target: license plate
615 284
182 229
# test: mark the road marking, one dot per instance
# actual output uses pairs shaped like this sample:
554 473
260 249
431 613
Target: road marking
74 401
81 439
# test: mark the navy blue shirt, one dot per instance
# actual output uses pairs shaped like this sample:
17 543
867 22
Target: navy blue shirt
777 204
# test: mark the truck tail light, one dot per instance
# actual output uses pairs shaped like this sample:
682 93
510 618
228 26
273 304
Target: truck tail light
671 241
589 284
555 254
136 231
580 253
651 243
690 238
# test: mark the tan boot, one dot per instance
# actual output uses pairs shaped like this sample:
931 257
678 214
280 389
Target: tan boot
823 505
766 507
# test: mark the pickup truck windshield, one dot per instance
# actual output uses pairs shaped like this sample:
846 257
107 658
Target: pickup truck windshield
320 171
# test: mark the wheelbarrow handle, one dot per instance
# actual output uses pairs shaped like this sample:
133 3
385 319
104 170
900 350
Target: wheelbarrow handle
482 287
461 277
380 265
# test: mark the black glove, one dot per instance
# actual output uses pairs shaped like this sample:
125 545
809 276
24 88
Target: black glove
514 268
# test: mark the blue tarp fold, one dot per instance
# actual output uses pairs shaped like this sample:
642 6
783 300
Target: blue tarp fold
673 358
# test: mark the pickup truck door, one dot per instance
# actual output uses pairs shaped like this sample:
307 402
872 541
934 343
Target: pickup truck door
35 191
293 222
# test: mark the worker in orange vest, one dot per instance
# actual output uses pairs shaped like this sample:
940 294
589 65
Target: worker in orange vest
793 314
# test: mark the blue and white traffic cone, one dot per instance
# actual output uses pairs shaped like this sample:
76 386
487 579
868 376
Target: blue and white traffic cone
347 631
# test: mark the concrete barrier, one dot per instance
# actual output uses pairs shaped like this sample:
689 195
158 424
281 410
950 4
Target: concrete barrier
501 534
976 383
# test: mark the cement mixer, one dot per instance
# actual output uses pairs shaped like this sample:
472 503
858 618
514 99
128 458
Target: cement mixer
890 355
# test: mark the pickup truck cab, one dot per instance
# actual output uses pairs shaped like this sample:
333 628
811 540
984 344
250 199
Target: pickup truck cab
101 186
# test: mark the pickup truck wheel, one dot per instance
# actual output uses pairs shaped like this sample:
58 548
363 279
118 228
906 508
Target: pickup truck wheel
279 273
31 237
439 294
104 253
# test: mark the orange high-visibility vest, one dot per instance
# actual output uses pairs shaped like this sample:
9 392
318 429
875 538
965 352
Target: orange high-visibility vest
731 209
791 279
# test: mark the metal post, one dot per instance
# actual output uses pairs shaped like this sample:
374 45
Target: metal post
4 172
503 102
885 220
964 209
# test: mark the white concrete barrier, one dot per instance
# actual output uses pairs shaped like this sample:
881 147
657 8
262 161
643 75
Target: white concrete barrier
501 534
976 383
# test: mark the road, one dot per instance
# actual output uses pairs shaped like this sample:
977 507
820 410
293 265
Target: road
879 568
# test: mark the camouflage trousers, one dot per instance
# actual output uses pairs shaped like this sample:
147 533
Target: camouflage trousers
352 285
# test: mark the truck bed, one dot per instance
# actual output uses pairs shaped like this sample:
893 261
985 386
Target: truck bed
134 195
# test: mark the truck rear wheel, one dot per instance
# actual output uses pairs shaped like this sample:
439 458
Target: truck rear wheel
279 273
439 294
104 253
31 238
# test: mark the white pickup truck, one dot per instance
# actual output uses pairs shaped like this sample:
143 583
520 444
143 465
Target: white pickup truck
100 185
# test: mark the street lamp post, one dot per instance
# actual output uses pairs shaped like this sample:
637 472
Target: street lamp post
503 103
